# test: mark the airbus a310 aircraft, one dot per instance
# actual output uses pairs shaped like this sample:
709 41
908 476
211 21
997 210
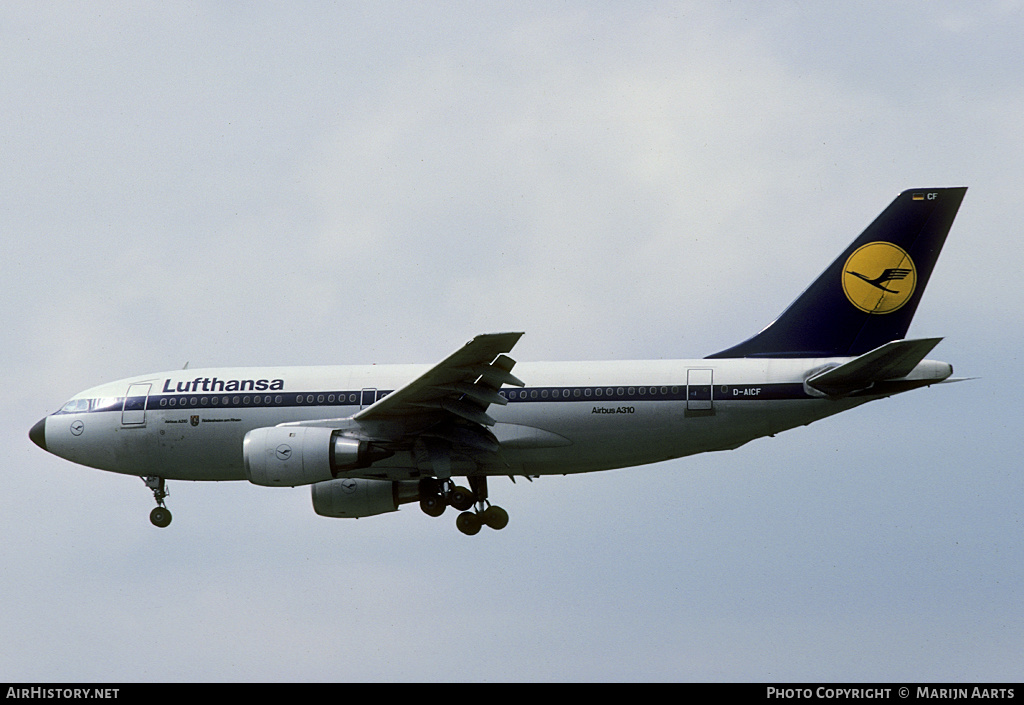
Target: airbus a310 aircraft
370 438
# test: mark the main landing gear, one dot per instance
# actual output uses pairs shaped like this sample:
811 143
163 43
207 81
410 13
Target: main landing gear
437 495
161 516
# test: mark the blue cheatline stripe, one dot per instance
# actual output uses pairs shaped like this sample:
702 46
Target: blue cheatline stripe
590 394
719 392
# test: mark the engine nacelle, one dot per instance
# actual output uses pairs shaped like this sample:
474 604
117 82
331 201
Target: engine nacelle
286 456
356 497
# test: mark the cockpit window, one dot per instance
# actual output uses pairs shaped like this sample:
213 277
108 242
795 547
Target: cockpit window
107 404
75 406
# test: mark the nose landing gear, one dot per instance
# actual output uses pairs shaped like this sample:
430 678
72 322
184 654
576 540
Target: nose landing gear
161 515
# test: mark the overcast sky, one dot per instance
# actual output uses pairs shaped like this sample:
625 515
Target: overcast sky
319 183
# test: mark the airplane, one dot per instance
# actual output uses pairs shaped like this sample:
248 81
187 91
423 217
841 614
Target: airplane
370 438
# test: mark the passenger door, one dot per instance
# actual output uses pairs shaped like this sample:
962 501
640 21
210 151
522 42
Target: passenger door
133 413
699 390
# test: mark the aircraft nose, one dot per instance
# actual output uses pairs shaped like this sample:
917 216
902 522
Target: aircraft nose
38 433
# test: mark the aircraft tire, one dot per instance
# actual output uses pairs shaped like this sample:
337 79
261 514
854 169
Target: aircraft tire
495 517
433 506
461 499
160 516
468 523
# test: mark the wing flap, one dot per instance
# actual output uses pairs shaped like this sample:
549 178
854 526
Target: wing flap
476 392
494 374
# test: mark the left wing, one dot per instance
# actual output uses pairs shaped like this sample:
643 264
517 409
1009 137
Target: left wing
443 411
464 384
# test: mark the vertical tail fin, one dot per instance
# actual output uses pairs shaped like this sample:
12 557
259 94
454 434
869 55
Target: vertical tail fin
869 294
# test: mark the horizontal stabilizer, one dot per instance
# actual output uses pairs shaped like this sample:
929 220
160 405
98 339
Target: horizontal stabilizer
893 360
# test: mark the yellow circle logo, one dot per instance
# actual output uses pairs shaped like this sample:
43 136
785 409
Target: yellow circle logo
879 277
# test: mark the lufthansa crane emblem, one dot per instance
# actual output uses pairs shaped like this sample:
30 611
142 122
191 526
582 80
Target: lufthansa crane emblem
879 277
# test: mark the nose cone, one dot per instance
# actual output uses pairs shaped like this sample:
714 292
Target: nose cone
38 433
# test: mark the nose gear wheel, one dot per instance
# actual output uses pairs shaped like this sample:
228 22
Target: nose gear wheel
161 516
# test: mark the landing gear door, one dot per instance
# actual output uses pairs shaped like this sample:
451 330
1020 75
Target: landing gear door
698 390
133 413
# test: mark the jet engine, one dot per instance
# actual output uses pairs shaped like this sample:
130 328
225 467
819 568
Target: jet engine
356 497
286 456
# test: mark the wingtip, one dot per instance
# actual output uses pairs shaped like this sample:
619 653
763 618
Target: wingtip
506 341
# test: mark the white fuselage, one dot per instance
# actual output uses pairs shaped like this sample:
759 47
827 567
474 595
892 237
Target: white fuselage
570 417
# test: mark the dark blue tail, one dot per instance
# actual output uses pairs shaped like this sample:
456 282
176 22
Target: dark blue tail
868 296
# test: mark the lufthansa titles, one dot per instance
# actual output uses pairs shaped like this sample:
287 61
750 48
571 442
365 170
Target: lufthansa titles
208 384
